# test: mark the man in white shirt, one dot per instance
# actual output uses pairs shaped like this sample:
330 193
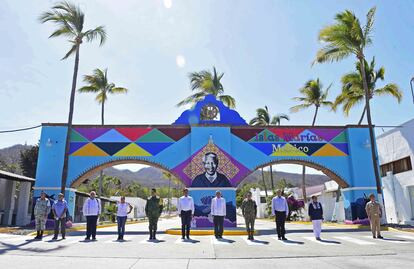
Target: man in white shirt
218 211
186 212
280 209
91 210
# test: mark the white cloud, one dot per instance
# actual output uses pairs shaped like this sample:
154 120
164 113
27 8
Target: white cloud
180 61
167 3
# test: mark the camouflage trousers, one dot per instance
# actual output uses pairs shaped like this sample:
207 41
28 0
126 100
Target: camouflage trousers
40 223
249 223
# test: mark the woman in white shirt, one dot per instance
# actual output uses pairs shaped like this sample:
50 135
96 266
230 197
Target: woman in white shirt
218 211
123 209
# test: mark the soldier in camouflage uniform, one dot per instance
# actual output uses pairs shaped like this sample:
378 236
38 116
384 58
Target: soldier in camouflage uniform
249 211
41 210
374 213
153 209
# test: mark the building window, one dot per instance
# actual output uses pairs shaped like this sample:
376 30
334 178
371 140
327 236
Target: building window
396 167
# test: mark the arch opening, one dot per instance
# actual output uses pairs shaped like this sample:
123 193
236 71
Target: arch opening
95 169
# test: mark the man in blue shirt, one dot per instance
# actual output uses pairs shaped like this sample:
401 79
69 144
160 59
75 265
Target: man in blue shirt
59 208
280 209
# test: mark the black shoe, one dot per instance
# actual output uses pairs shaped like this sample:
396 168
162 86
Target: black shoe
63 237
183 238
93 238
374 236
119 238
284 238
380 237
279 238
54 238
87 238
188 238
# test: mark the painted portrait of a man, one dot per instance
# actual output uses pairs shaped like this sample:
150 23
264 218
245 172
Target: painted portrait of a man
211 178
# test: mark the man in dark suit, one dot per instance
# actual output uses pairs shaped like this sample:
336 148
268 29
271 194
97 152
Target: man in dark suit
211 178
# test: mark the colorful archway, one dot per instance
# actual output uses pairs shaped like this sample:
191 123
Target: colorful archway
210 147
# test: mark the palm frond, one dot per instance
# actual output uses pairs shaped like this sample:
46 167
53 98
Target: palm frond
97 33
391 90
70 52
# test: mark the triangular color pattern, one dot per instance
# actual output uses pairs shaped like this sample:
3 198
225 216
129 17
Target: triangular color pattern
175 133
76 137
267 148
309 137
287 134
266 136
154 147
342 147
132 150
329 150
90 150
308 148
74 146
246 133
288 150
112 136
111 148
325 133
133 133
341 138
155 136
92 133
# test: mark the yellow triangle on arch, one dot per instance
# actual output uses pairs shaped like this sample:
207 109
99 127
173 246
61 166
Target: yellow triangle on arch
288 150
329 150
89 150
132 150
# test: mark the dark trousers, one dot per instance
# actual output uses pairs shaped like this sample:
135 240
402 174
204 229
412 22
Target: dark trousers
280 223
218 225
62 223
249 224
91 226
153 224
185 223
121 225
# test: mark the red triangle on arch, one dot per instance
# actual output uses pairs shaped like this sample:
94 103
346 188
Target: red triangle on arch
286 134
133 133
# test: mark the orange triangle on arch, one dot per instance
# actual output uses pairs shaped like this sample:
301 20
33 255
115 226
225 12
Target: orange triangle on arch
89 150
329 150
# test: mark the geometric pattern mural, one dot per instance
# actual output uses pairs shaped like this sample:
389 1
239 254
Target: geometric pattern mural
123 142
296 141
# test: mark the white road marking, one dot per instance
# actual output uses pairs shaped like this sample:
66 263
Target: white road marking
354 240
389 240
406 236
322 242
287 243
254 242
215 241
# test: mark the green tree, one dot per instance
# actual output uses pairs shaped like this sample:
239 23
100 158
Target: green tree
69 20
353 90
342 39
171 179
312 96
111 186
98 83
28 161
206 83
263 118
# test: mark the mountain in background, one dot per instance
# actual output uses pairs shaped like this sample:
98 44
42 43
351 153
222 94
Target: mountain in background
153 177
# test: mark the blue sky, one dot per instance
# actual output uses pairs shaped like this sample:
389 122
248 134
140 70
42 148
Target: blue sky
265 49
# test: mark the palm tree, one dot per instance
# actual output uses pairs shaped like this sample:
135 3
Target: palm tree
98 83
69 20
205 83
263 118
344 38
312 95
353 89
171 179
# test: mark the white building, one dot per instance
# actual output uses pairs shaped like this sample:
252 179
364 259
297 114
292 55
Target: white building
396 157
15 199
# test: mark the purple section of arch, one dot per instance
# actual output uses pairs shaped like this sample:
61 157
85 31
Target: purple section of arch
92 133
327 134
74 146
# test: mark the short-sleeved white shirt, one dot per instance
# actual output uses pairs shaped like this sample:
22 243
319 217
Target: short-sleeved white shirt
123 209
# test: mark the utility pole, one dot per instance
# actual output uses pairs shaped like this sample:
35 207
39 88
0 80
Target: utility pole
411 84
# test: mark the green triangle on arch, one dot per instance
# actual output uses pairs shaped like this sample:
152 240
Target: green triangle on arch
76 137
155 136
341 138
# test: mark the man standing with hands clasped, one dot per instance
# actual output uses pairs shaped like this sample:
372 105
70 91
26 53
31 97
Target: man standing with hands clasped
41 210
374 213
249 211
186 212
218 211
315 213
280 209
91 210
59 208
153 210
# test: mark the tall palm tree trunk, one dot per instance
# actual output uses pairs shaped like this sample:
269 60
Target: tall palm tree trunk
102 171
271 179
70 118
371 128
362 116
264 184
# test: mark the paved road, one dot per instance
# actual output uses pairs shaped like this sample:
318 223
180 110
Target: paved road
341 248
